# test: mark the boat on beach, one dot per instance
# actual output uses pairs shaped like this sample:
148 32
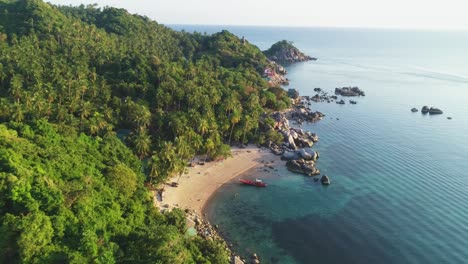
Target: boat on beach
257 182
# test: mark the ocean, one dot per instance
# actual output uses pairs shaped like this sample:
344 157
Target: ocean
399 180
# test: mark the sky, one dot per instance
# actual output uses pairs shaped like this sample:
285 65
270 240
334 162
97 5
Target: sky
404 14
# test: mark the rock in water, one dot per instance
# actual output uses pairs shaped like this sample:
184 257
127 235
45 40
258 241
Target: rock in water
349 91
303 167
325 180
425 109
414 110
435 111
294 166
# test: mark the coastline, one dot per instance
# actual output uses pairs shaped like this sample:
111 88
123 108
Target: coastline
202 181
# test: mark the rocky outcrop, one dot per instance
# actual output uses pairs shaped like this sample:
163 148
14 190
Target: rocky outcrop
284 52
281 122
303 114
296 138
293 93
303 167
305 153
349 91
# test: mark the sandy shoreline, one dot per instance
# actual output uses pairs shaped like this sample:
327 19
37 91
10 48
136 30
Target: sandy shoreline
202 181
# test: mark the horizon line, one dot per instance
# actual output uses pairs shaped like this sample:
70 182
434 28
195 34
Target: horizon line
321 27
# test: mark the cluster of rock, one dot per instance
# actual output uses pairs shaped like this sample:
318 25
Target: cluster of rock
322 96
301 114
255 259
432 111
306 167
296 148
294 138
203 228
349 91
207 231
281 122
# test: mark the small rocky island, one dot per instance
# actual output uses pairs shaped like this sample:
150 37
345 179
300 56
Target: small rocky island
284 52
349 91
281 53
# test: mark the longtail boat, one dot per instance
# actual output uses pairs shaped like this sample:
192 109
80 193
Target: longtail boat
257 182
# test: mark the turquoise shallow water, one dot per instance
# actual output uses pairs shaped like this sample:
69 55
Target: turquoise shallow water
399 188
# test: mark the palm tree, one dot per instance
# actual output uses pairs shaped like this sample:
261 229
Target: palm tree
17 114
16 87
142 143
85 111
142 117
247 126
154 162
209 147
234 118
203 126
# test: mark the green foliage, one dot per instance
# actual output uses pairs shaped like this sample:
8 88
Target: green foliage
64 199
70 78
122 179
280 45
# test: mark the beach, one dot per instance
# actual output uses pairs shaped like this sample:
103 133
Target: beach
197 186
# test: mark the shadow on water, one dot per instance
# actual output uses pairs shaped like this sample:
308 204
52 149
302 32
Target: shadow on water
310 238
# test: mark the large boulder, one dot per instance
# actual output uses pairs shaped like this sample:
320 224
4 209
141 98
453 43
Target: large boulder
425 109
313 153
435 111
305 155
290 155
294 166
291 142
281 122
304 143
299 131
293 133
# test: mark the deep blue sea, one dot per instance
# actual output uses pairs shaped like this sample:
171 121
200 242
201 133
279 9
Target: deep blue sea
399 191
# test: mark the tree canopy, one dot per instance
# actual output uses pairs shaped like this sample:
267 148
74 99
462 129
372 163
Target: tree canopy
96 102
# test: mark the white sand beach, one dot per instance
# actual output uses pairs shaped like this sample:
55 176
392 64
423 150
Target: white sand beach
196 187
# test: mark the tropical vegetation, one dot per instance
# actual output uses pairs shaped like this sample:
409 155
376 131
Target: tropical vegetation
97 104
